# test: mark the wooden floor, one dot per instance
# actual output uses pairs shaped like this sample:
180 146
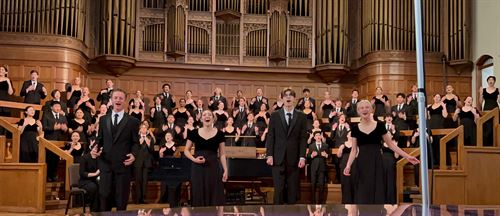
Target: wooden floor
75 211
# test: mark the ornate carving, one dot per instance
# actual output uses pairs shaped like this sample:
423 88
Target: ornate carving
116 65
149 12
296 20
254 18
43 40
143 21
200 16
201 24
302 28
278 5
248 27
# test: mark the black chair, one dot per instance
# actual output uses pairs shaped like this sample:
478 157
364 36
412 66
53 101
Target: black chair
74 176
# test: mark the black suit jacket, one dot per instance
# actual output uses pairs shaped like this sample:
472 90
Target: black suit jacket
87 165
300 104
34 96
400 123
352 110
283 140
167 102
215 103
335 119
338 136
48 122
318 162
115 147
159 118
240 118
145 154
255 107
104 97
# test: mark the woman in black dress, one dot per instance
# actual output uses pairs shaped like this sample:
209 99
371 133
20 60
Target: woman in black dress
347 183
389 163
451 101
490 98
221 116
380 102
74 93
278 104
181 114
190 102
80 125
136 111
190 126
327 105
232 132
74 147
30 129
88 178
6 89
368 135
310 115
468 116
86 104
207 177
139 98
262 118
436 113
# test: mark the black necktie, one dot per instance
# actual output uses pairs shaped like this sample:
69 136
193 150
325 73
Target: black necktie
289 118
319 146
116 120
57 116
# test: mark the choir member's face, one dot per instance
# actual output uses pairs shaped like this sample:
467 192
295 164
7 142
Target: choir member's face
414 88
189 94
327 95
242 102
109 84
239 93
170 119
449 89
318 137
388 119
85 91
56 108
400 99
306 94
316 124
75 137
468 101
30 112
259 92
3 72
77 81
250 117
437 98
342 119
338 103
364 109
79 114
230 121
491 81
158 100
409 98
57 95
166 88
355 94
118 100
103 109
378 91
218 91
199 103
307 104
182 102
138 94
289 99
220 106
190 120
263 107
34 76
144 129
168 137
145 123
136 103
207 117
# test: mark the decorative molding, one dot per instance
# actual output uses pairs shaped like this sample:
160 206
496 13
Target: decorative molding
299 20
150 12
303 29
144 21
7 38
200 16
201 24
278 5
254 18
395 56
249 27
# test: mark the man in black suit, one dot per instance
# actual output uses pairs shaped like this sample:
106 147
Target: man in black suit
286 149
351 106
167 99
300 105
32 90
336 112
250 131
400 119
257 101
55 127
240 114
339 137
105 94
318 152
213 103
158 114
412 111
198 113
118 141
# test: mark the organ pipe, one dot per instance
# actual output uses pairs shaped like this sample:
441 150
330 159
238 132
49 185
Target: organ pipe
331 32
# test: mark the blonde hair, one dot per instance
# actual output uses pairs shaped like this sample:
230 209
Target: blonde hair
364 102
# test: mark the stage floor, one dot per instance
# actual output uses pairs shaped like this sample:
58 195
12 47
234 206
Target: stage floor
318 210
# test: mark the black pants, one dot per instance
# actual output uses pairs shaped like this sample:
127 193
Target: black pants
114 188
317 182
141 183
92 195
286 178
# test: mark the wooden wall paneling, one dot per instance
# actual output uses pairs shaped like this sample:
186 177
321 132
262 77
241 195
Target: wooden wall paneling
449 187
483 174
23 187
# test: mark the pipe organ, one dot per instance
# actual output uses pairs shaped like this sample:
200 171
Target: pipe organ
334 38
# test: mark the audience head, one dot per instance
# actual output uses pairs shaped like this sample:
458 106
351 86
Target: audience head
109 83
75 136
289 97
118 99
34 75
491 80
166 88
306 92
56 94
354 93
56 106
29 111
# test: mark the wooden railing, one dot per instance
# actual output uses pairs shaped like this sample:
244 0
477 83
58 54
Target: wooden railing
16 140
21 106
458 132
56 149
3 148
415 152
492 114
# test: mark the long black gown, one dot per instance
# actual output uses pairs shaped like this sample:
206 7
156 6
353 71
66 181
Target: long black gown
490 102
4 95
309 121
348 183
379 106
370 186
74 98
85 125
221 121
206 178
138 115
389 163
29 144
327 108
451 106
230 141
181 118
467 120
436 122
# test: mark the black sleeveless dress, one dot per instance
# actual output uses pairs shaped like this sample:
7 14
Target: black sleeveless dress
138 115
29 144
206 178
261 122
74 98
451 106
436 122
379 106
230 141
348 183
181 118
370 186
309 121
4 95
467 120
327 108
221 121
490 102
